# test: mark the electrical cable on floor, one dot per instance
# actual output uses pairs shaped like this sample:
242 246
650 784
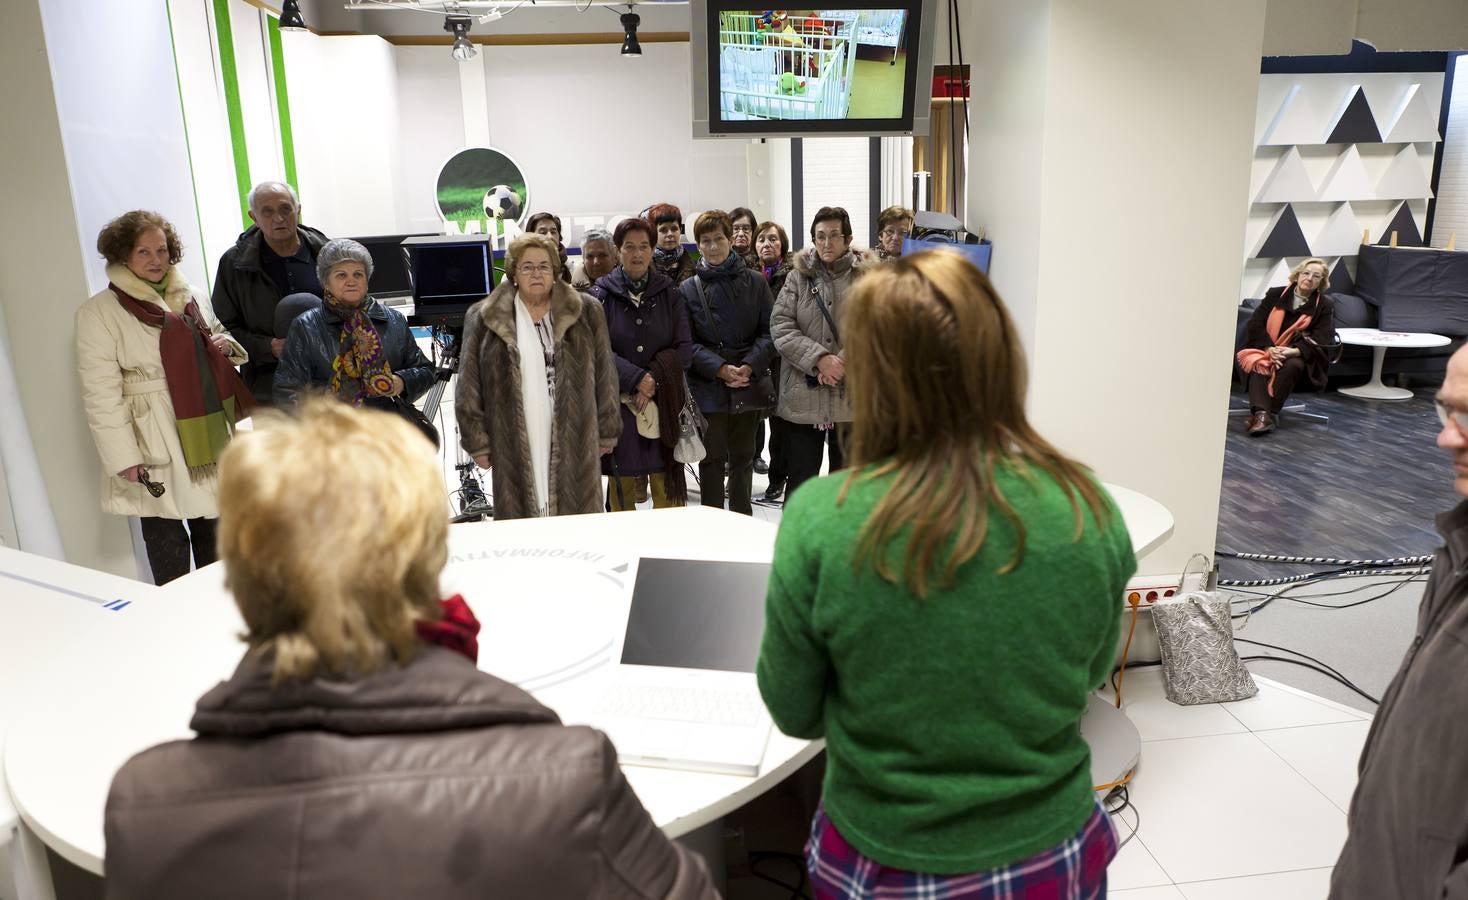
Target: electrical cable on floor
1407 578
1310 576
1305 665
797 890
1115 812
1327 561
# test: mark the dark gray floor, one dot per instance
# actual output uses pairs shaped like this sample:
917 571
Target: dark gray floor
1367 485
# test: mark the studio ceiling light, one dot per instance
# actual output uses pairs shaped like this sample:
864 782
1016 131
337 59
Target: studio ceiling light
630 20
464 48
290 16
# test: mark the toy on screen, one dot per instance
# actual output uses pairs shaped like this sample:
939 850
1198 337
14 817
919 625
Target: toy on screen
500 202
789 84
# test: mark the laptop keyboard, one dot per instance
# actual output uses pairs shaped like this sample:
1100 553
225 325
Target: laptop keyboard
708 705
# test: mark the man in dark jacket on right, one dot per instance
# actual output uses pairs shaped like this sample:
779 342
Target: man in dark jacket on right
274 259
1409 818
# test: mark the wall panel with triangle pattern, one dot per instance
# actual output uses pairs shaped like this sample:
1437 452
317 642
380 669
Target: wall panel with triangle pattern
1336 155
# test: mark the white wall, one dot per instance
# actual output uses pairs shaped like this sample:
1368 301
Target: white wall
121 123
343 93
838 173
211 155
596 135
1109 240
1451 216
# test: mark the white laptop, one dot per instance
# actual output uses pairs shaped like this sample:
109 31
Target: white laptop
684 694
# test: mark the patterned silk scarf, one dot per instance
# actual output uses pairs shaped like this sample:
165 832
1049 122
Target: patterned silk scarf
360 369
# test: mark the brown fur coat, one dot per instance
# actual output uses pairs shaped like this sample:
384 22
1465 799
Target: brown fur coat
586 419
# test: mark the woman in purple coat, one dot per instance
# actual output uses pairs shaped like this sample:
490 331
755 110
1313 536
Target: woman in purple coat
651 347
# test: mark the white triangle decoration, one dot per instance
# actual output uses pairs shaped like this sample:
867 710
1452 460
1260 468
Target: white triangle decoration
1347 179
1294 123
1413 119
1405 178
1341 235
1289 182
1278 275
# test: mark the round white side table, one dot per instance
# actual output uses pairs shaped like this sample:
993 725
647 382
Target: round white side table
1379 341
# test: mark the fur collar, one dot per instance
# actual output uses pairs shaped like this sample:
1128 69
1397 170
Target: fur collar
857 261
498 309
175 297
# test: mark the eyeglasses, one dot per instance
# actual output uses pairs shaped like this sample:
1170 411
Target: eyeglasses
894 232
537 269
744 229
834 237
1447 414
1311 274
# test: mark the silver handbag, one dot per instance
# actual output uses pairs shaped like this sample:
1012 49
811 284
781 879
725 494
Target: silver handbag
691 426
1199 662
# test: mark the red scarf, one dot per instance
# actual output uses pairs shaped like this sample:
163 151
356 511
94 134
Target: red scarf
208 395
1260 362
456 629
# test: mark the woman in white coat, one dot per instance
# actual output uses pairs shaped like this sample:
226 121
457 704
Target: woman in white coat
160 391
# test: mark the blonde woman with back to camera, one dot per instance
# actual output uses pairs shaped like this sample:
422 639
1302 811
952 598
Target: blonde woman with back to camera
358 750
941 612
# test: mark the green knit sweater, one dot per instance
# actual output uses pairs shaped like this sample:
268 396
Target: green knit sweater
952 724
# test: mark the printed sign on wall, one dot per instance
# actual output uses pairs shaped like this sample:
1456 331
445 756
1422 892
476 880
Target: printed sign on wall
480 190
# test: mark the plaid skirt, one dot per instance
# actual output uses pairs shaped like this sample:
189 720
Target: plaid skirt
1075 869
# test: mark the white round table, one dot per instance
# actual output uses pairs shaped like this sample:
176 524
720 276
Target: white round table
552 594
1380 341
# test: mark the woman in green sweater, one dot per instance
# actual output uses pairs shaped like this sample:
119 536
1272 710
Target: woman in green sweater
940 612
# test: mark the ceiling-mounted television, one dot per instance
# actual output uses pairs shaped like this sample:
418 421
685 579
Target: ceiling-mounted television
863 69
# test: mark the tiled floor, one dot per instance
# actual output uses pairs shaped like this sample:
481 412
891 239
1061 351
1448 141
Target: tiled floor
1237 800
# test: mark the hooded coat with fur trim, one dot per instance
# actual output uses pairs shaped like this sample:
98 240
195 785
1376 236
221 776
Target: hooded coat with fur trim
586 419
126 399
802 335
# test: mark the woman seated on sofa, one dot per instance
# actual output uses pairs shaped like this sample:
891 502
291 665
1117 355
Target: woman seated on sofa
1287 338
358 750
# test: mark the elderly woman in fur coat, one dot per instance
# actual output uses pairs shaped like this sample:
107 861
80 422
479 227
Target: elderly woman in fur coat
537 391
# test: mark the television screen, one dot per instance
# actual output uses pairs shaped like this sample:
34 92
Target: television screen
812 71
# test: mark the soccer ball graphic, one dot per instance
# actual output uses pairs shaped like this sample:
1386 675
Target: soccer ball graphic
501 203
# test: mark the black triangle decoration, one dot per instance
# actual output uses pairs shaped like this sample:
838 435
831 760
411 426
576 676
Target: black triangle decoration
1285 239
1356 125
1406 228
1340 281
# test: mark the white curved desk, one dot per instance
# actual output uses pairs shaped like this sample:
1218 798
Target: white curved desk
147 663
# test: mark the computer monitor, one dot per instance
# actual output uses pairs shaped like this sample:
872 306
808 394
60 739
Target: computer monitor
450 274
392 276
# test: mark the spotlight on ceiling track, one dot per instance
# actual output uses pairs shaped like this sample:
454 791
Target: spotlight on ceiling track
630 47
464 48
290 16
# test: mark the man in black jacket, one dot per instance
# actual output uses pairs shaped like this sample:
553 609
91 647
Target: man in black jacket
274 259
1409 818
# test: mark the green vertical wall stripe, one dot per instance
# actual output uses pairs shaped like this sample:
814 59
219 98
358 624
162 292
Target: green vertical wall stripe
282 103
225 35
188 145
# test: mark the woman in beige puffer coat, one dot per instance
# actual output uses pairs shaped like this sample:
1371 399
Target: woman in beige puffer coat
127 400
806 328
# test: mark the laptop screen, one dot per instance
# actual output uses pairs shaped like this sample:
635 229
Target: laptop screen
697 614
